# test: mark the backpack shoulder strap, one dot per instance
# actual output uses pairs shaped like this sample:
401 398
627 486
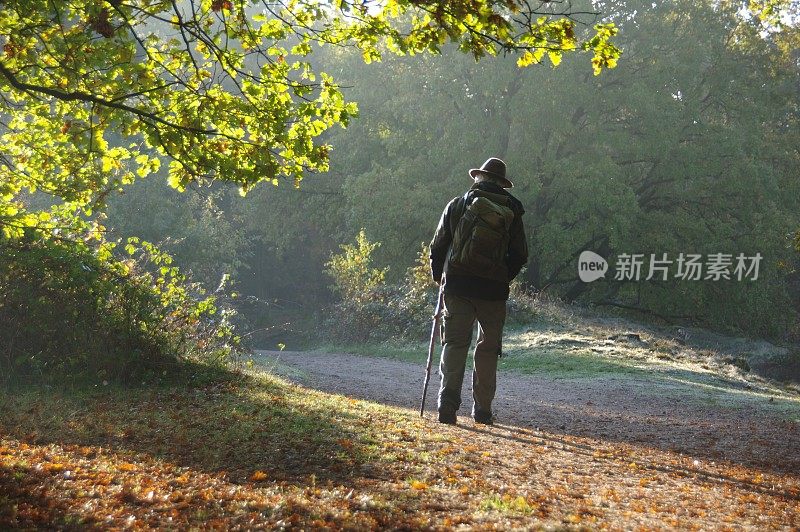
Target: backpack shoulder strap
459 207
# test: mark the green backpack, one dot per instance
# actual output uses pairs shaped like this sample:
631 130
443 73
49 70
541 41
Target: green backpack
481 237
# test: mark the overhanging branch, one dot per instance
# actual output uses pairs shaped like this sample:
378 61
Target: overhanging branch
91 98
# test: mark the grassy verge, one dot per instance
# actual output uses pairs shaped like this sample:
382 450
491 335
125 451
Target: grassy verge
554 362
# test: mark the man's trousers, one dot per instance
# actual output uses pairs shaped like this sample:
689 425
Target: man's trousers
460 314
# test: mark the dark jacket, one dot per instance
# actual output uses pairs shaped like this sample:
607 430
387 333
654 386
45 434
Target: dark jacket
468 285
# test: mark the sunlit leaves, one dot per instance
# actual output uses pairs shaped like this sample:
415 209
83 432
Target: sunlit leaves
259 476
530 57
605 53
193 98
774 14
418 485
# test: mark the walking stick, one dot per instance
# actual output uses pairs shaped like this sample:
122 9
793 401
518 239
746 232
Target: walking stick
434 330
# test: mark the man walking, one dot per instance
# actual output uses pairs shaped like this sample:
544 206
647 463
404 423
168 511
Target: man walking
478 248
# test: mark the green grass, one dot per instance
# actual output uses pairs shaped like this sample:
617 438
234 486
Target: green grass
551 362
506 504
407 352
560 364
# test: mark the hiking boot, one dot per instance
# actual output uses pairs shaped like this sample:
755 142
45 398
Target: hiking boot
447 415
482 417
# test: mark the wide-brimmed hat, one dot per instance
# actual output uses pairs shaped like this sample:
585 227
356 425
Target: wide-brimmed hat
493 167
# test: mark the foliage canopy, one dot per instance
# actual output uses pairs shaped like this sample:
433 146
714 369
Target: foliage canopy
96 93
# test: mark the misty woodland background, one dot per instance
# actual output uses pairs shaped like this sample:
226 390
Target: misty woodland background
214 285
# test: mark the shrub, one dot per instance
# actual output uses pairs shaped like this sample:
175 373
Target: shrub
362 289
353 276
372 309
417 296
70 308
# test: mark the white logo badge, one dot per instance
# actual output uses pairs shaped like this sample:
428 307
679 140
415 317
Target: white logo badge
591 266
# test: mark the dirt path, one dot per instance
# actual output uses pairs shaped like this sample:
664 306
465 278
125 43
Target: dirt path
707 421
